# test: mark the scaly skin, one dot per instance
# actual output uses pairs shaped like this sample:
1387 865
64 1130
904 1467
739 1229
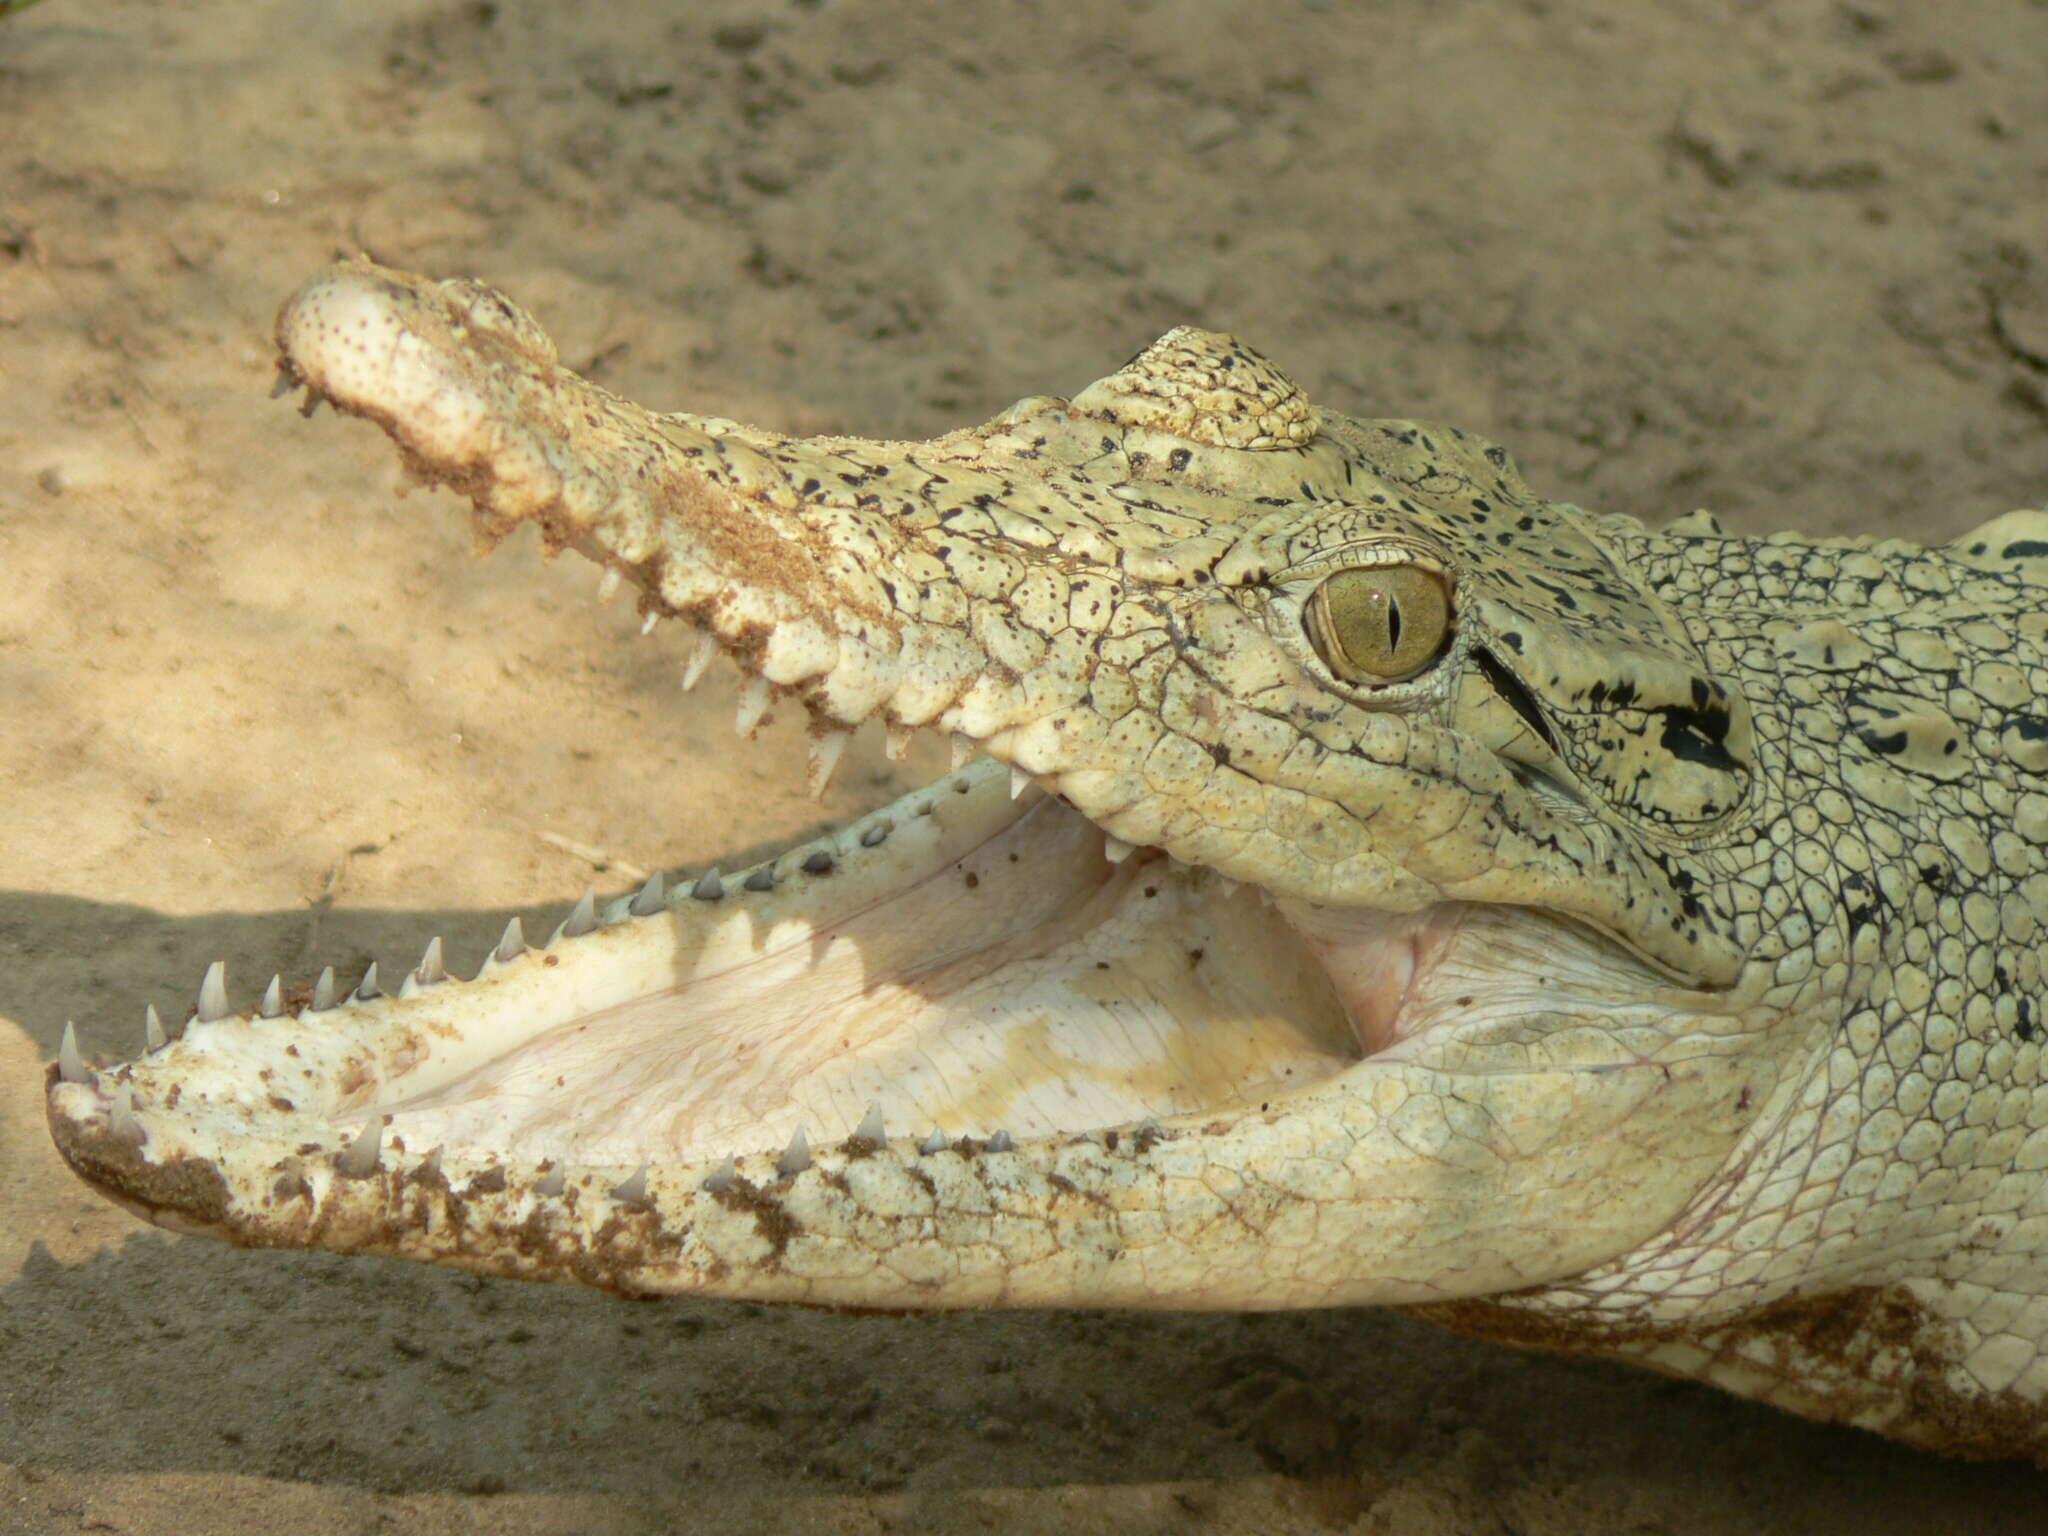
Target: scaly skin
1647 966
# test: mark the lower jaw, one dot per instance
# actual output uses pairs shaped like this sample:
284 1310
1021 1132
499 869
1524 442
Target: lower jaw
956 962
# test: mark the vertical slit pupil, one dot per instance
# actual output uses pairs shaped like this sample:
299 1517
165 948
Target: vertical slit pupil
1393 625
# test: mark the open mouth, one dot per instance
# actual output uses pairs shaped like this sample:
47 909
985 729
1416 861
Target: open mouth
971 977
971 1047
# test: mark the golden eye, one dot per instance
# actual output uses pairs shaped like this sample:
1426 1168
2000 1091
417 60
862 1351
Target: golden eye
1380 623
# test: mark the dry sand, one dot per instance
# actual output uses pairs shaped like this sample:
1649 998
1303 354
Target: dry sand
1785 260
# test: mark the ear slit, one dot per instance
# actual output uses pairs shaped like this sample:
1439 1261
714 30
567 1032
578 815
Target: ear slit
1510 688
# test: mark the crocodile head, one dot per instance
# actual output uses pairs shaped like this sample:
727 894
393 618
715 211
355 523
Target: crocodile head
1343 907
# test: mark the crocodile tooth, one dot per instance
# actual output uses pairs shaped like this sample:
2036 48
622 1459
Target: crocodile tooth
708 887
875 835
313 402
213 993
724 1176
650 898
826 749
430 1166
358 1160
796 1157
634 1190
272 1006
1000 1142
71 1066
895 742
753 705
963 751
762 879
512 945
582 918
700 658
1225 886
552 1183
818 861
1019 781
431 971
608 584
870 1127
936 1142
408 987
1115 849
647 624
367 989
152 1029
285 382
323 992
121 1122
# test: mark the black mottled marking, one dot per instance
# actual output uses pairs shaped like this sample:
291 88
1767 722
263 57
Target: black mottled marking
1698 735
2024 549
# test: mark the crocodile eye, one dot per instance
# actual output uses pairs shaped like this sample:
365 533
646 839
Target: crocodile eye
1380 623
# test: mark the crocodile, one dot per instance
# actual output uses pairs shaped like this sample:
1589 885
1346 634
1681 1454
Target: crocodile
1360 881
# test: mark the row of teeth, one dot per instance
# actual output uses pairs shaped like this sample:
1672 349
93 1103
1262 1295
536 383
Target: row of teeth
362 1155
827 745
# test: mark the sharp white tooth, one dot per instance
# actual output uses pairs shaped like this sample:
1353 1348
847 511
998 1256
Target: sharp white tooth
408 987
1019 781
724 1176
1000 1142
431 971
936 1142
582 917
358 1160
551 1183
121 1122
700 658
825 753
963 751
634 1190
323 992
650 898
213 993
608 584
272 1006
1225 886
753 705
512 945
71 1066
870 1127
896 742
367 988
1115 849
647 624
709 887
152 1029
796 1157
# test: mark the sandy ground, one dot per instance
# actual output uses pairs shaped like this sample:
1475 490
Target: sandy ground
1785 260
